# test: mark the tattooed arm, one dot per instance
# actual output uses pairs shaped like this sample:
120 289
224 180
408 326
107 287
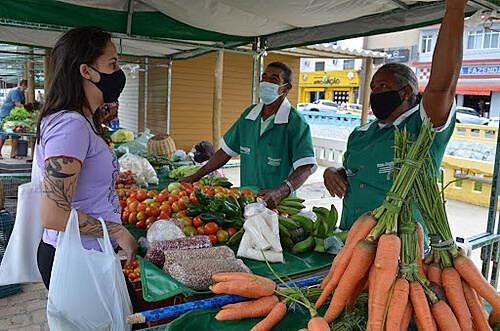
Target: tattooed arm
59 182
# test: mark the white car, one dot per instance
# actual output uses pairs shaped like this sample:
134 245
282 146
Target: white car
468 115
351 108
321 105
301 106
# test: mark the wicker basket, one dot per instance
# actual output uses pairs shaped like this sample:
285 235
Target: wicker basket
162 144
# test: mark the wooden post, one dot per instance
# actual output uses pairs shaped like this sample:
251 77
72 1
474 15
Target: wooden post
46 72
217 104
31 75
366 91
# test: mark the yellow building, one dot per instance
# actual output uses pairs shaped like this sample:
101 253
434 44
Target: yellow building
339 86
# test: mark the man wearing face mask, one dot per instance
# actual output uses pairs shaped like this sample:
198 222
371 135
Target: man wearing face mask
273 140
364 179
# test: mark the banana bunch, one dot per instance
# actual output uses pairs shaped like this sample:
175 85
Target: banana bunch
215 181
316 232
183 171
290 205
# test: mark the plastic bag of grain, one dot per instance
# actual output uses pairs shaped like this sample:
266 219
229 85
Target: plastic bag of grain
156 252
218 252
197 274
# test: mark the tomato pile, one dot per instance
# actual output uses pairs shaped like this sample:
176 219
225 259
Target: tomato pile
126 180
143 208
132 271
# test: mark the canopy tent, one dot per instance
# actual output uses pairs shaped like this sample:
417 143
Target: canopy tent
182 29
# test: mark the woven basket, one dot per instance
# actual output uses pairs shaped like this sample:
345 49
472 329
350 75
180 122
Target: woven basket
162 144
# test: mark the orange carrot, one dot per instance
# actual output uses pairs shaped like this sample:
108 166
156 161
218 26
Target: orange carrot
473 276
259 308
407 316
303 329
420 235
318 323
434 273
336 260
398 304
245 288
228 276
444 316
366 223
481 302
386 263
371 288
494 318
421 308
476 309
276 314
246 304
455 294
362 258
360 288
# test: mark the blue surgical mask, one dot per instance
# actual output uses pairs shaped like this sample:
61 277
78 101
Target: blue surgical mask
268 92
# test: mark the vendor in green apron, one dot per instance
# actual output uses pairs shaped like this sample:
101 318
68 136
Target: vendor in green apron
366 175
273 140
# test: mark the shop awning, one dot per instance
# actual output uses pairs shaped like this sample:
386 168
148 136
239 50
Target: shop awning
471 89
182 29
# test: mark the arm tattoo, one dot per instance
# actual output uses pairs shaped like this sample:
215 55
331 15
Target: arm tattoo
92 227
54 185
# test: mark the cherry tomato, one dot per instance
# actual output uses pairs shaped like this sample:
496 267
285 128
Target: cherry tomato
197 222
211 228
231 231
213 239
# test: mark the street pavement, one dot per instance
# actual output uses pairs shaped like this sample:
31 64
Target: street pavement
26 310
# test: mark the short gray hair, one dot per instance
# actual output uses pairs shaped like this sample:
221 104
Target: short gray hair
405 76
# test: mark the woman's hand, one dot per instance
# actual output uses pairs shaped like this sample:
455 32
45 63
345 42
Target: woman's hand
335 181
128 243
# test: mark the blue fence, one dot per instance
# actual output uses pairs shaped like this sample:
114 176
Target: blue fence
349 120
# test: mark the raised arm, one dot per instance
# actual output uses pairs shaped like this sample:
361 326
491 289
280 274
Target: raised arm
216 161
446 64
59 183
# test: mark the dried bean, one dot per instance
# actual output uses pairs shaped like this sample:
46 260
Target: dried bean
156 255
218 252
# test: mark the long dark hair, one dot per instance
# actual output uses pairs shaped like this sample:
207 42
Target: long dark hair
65 93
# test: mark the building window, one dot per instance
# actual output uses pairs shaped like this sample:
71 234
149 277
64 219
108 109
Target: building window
320 66
481 39
427 43
348 64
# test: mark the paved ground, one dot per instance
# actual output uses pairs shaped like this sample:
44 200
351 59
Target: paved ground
26 310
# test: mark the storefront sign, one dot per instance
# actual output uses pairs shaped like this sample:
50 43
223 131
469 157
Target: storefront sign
339 78
399 55
480 70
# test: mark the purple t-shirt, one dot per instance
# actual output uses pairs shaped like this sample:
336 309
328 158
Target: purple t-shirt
70 134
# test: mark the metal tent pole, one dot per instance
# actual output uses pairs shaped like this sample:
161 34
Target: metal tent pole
146 94
169 92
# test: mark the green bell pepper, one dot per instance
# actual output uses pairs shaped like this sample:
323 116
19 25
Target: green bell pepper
195 209
231 207
213 217
202 198
217 205
236 223
243 201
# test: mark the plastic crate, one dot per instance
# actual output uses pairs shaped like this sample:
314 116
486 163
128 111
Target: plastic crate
6 226
7 290
10 205
10 186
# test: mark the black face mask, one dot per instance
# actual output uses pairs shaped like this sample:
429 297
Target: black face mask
198 158
385 103
111 85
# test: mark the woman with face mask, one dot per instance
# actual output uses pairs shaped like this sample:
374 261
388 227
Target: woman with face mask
79 169
273 140
201 153
364 178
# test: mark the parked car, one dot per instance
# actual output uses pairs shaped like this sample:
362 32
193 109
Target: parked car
468 115
351 108
323 106
301 106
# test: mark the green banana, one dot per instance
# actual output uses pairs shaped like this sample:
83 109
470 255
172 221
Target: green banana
293 204
341 235
322 212
283 231
304 222
288 223
292 198
332 218
287 210
320 230
319 245
287 242
293 236
305 245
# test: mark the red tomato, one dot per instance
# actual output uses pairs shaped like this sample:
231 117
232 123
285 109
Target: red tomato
192 198
211 228
186 221
183 193
196 185
150 220
142 195
165 214
132 276
140 224
141 207
186 200
123 204
284 215
213 239
133 206
181 214
185 186
189 190
200 230
176 207
172 199
125 215
222 236
197 222
152 211
131 199
162 197
231 231
132 219
127 272
135 264
141 216
233 194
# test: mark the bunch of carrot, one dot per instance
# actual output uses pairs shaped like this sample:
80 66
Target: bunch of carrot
384 254
267 301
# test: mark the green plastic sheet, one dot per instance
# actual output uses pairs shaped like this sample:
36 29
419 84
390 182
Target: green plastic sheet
156 285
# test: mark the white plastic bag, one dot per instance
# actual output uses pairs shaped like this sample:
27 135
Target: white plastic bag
162 230
87 288
145 172
19 263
